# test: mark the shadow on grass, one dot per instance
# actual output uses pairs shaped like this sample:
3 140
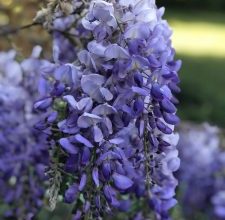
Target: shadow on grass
203 89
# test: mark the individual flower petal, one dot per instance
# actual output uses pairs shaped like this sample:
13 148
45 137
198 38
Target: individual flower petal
104 109
43 87
98 136
174 164
79 138
91 84
83 182
138 79
86 59
86 120
114 51
167 106
85 104
116 141
156 92
71 193
140 91
138 106
63 73
95 176
52 117
164 128
108 96
137 31
96 48
86 155
43 104
171 118
67 146
174 88
71 100
106 169
109 193
108 124
121 182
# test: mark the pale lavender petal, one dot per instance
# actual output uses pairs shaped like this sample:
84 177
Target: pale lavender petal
114 51
85 104
104 109
86 120
106 94
116 141
91 84
98 136
70 100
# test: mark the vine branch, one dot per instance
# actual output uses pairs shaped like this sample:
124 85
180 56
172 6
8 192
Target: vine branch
10 31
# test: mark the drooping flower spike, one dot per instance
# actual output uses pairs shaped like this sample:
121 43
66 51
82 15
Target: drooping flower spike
23 153
204 179
110 115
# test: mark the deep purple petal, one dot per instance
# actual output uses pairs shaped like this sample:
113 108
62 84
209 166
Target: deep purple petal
106 169
71 193
67 146
43 104
167 106
171 118
156 92
121 182
86 155
79 138
164 128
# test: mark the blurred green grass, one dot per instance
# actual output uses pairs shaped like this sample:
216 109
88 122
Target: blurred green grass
199 38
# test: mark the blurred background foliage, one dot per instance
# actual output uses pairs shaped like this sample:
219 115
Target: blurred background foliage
17 13
199 38
199 4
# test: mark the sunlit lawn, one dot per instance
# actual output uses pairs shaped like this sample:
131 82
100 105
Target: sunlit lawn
199 38
198 33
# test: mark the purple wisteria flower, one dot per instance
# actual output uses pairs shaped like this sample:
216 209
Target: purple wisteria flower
110 115
23 154
201 174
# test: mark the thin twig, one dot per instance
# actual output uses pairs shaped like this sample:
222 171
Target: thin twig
15 30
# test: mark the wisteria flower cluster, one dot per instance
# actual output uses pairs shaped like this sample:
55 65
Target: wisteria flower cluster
202 173
110 114
23 153
105 114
